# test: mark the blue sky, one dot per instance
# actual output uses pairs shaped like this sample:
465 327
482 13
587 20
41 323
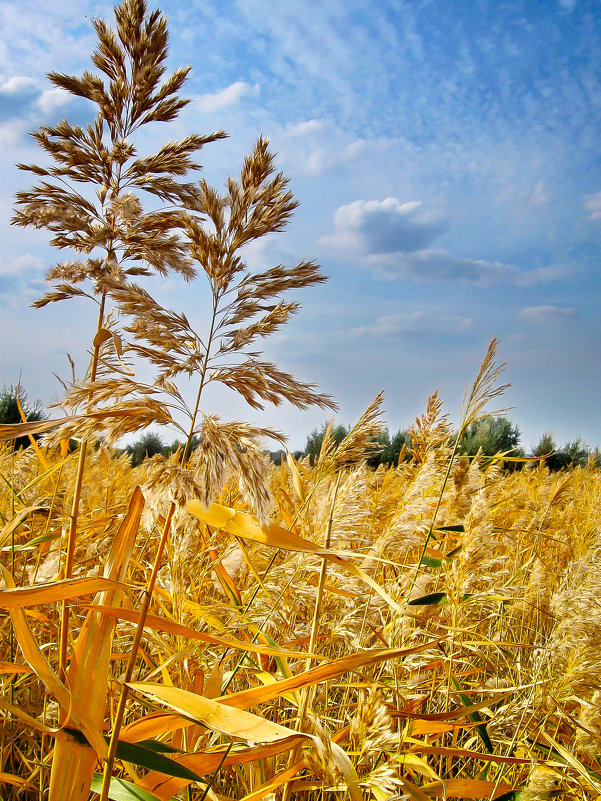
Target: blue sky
446 158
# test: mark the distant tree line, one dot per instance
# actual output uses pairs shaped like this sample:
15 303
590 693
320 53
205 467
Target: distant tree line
487 437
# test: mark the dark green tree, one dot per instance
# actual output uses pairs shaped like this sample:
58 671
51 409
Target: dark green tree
399 448
9 411
573 454
149 444
390 454
491 435
315 438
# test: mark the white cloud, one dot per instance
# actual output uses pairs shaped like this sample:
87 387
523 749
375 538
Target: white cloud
393 238
384 227
17 84
541 196
304 128
398 325
542 275
546 314
22 264
52 99
11 132
592 204
438 265
227 97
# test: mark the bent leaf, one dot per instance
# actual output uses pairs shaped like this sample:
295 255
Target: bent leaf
258 695
215 716
18 597
14 523
39 663
152 759
171 627
241 524
210 761
467 788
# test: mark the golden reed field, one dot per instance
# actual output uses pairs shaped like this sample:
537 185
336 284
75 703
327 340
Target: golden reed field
312 654
207 625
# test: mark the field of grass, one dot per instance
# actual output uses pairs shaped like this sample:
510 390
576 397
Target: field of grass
209 626
416 632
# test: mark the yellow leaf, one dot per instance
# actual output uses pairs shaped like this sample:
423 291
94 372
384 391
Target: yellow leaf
241 524
7 778
259 695
34 444
14 523
296 477
163 624
18 597
39 663
88 675
165 787
215 716
418 764
467 788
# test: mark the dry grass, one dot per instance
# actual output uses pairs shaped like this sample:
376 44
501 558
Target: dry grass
504 612
208 626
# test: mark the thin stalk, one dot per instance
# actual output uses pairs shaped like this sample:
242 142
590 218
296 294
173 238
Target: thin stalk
203 373
81 464
131 663
308 691
108 767
436 510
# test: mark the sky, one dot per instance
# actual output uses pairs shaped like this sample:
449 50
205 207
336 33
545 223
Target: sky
446 158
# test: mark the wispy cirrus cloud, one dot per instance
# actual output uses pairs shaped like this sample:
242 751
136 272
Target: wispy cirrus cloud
547 314
438 265
229 96
416 323
592 204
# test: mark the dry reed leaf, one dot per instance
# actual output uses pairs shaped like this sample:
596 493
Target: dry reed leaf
8 667
585 774
467 788
434 727
77 712
216 716
16 781
32 441
282 778
35 724
153 725
177 629
208 762
88 674
297 480
13 524
346 664
466 753
18 597
241 524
